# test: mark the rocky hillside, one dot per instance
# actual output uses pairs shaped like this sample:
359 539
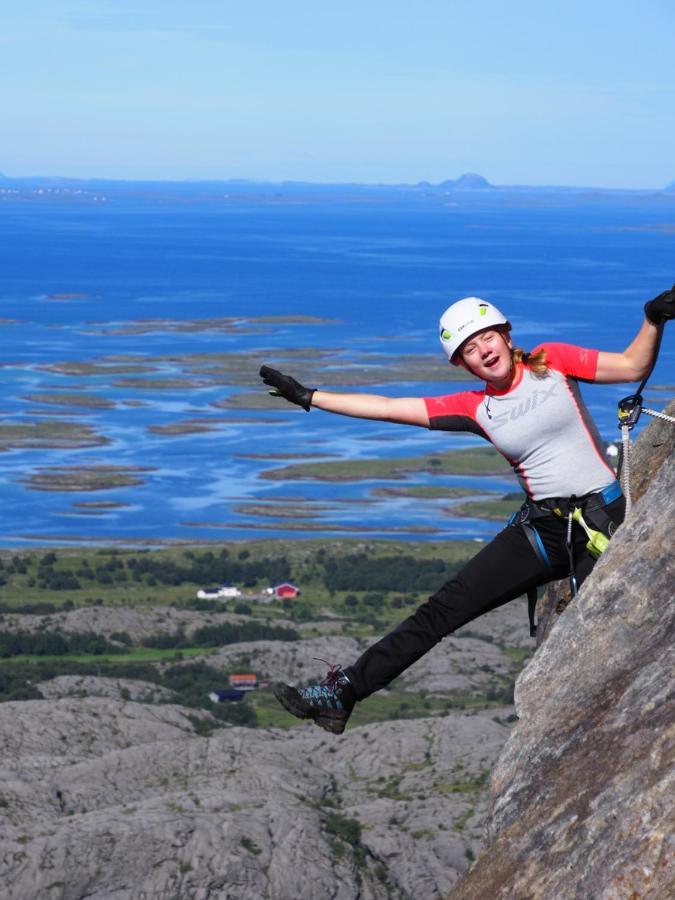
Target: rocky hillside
111 620
105 798
111 790
582 794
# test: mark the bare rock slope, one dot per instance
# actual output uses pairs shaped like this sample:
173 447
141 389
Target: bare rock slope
108 791
582 794
121 801
138 623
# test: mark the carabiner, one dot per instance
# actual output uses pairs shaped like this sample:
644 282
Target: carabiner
629 411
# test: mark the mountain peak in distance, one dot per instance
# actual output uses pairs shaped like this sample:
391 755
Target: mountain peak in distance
469 181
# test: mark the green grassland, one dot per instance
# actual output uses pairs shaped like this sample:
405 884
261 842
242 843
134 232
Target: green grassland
135 654
348 587
114 583
354 588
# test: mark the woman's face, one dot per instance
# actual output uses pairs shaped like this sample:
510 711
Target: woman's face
488 355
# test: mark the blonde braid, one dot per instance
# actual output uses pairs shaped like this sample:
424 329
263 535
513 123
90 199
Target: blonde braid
536 362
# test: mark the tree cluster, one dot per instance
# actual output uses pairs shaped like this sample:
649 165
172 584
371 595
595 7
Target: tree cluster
207 568
35 609
360 572
54 643
199 568
219 635
16 565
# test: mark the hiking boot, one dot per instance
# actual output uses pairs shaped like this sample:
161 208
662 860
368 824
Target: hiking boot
329 703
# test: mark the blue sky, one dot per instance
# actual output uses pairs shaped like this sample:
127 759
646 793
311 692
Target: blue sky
521 92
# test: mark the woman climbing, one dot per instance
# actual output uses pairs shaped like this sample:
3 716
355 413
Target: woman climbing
531 411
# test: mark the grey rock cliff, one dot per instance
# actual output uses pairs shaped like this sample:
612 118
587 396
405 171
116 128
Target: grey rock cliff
121 801
582 794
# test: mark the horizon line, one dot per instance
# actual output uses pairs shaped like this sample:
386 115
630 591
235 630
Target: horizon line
463 182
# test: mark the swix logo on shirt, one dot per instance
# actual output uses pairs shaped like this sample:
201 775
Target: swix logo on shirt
541 425
525 406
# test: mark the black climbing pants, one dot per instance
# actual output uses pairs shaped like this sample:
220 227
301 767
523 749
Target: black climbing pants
503 570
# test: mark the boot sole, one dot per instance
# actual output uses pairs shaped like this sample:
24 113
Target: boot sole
335 726
291 700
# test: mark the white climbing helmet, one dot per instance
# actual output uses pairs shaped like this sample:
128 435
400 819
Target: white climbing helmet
464 318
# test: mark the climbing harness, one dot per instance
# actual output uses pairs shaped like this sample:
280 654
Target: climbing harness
538 546
571 509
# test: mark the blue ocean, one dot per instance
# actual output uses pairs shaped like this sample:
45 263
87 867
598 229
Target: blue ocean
169 284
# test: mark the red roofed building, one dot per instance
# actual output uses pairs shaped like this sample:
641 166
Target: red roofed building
244 682
282 591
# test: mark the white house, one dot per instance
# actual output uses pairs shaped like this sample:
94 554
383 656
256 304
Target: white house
222 592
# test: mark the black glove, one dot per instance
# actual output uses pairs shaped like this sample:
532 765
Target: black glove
661 308
287 387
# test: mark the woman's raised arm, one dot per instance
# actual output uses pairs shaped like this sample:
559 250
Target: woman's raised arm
637 359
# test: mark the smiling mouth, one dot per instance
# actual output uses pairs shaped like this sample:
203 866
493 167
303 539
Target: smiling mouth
491 362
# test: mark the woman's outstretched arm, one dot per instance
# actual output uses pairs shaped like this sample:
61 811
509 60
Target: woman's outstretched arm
638 358
404 410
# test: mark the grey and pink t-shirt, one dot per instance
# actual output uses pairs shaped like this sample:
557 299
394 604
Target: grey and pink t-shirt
541 425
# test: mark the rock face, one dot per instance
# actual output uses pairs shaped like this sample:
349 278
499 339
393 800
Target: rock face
94 686
121 801
583 791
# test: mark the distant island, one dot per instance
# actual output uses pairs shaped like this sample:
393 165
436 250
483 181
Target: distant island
101 191
467 182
